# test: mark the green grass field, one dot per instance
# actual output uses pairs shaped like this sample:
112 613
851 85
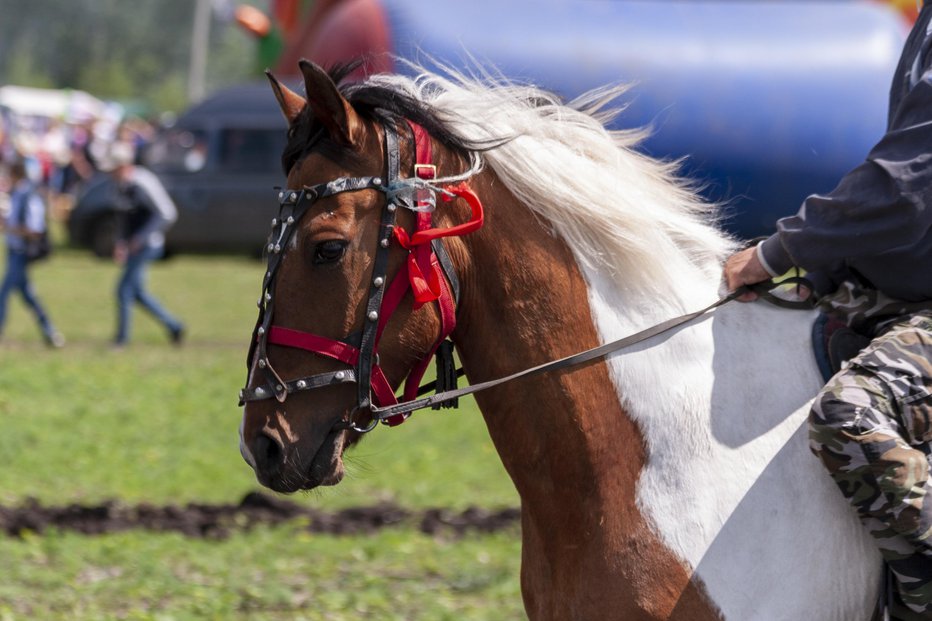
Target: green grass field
157 424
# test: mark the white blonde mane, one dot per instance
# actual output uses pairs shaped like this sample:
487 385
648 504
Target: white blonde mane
623 213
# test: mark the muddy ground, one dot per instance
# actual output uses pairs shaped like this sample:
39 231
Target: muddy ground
219 521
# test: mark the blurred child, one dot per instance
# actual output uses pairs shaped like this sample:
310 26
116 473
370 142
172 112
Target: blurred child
25 224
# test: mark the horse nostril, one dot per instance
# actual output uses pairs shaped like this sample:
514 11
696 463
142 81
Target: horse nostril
268 454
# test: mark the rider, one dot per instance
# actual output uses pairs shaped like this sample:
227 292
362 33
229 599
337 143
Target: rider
867 246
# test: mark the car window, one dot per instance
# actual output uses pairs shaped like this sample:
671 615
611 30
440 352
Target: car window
178 150
251 150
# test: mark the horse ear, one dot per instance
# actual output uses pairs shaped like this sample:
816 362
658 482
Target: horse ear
328 106
290 102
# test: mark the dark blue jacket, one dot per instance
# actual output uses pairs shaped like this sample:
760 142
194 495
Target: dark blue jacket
876 225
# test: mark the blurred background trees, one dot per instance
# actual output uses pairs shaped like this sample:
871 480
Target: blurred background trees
137 53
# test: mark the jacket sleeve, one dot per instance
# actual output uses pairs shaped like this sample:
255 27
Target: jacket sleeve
164 212
883 204
34 220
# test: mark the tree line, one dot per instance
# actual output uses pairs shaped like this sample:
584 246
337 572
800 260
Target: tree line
134 52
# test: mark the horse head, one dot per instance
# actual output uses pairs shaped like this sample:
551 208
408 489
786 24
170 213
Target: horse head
337 330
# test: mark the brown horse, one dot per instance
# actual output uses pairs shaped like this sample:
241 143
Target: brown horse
670 481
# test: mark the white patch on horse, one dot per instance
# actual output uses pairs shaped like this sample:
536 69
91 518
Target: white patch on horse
729 483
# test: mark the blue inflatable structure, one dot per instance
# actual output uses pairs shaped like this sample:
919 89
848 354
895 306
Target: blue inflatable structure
768 101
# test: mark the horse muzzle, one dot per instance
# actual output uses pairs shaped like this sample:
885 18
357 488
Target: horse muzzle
286 462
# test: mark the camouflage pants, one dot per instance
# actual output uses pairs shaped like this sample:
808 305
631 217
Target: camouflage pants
872 428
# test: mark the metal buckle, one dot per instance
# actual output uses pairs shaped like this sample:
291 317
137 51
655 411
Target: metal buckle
350 425
425 171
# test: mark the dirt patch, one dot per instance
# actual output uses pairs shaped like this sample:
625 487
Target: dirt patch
218 521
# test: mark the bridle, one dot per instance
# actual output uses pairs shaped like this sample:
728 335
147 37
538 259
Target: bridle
428 273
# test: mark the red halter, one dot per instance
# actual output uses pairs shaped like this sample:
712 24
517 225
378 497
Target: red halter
422 273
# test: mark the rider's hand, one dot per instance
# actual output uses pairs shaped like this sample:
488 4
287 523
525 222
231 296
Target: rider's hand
744 268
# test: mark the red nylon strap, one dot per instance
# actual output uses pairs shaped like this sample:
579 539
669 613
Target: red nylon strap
421 271
338 350
424 236
425 283
424 278
380 386
447 323
392 299
447 309
423 153
424 275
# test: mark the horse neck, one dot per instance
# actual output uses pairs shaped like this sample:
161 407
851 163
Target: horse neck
566 441
525 303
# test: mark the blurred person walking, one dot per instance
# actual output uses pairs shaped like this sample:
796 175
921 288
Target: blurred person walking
146 212
26 240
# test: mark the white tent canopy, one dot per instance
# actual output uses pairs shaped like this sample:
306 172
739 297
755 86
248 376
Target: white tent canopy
69 105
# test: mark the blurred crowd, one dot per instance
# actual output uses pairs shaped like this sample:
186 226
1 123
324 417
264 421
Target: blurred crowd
61 154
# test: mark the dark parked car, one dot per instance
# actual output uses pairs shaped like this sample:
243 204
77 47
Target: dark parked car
220 163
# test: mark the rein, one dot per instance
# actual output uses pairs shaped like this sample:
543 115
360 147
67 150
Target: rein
761 289
428 272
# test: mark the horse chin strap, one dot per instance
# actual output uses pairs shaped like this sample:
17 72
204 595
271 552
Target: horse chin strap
428 272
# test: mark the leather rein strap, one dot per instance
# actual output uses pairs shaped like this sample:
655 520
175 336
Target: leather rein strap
556 365
763 290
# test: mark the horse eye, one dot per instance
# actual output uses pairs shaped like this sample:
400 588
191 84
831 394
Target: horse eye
329 251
